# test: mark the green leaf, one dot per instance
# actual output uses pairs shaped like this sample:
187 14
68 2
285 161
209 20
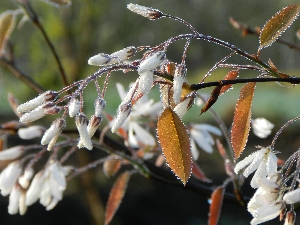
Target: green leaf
242 118
278 24
175 143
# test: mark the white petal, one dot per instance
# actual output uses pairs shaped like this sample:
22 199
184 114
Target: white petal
208 128
33 193
258 158
194 150
99 106
26 177
201 141
13 206
22 205
143 135
292 197
54 130
179 76
45 195
261 172
271 164
245 162
52 204
31 132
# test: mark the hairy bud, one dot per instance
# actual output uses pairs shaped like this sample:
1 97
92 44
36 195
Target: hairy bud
42 98
51 135
74 107
180 73
81 124
144 11
99 106
124 111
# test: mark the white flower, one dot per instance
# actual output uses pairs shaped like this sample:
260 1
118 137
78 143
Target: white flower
264 161
200 134
11 153
48 186
17 201
9 176
266 204
261 127
137 134
31 132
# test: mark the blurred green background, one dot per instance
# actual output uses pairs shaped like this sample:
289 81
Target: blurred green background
92 26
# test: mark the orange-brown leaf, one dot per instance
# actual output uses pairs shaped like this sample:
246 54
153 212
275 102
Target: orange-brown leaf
278 24
175 143
111 166
212 99
242 117
231 75
199 174
216 205
115 196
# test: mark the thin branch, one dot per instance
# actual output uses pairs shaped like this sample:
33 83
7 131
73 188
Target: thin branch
21 76
292 80
248 30
34 18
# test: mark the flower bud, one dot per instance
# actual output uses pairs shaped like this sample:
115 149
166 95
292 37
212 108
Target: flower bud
144 11
290 218
122 55
74 107
180 73
12 153
92 127
99 106
53 132
81 124
14 198
145 82
24 180
51 108
124 111
42 98
31 132
7 24
33 115
152 61
99 60
9 176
